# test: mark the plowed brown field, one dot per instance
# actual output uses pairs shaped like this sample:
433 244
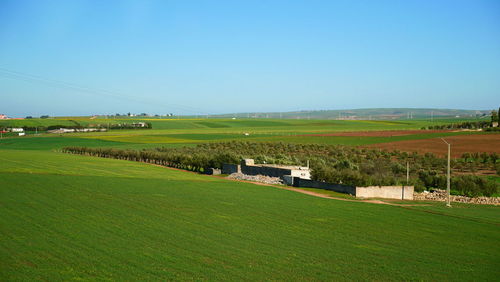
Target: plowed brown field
384 133
460 144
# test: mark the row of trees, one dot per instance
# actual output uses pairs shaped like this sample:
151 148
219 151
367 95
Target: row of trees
76 125
463 125
486 125
335 164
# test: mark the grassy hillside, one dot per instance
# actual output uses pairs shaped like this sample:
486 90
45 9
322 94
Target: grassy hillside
75 217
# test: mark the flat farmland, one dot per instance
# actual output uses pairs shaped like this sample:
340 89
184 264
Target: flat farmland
69 217
383 133
488 143
180 132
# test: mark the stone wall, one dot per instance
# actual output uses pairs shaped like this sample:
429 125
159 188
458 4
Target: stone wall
440 195
256 178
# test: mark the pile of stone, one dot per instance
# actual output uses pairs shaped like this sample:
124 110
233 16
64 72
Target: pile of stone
256 178
440 195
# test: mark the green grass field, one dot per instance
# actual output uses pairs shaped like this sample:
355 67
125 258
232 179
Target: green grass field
71 217
172 132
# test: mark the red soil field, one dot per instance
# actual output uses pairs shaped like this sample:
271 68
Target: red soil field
489 143
385 133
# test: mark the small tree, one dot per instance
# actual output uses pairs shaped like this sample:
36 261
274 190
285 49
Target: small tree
494 116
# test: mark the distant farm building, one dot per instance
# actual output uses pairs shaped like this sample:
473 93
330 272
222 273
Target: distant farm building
139 124
20 129
3 116
61 130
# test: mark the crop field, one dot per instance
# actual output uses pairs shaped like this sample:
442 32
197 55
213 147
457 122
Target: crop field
72 217
487 143
75 217
179 132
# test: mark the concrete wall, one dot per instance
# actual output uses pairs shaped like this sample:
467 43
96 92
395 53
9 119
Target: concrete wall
231 168
248 167
265 170
299 182
301 173
212 171
288 180
386 192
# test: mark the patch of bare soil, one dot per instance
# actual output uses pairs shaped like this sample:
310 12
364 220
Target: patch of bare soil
460 144
384 133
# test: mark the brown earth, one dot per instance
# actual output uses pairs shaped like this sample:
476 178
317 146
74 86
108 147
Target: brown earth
384 133
488 143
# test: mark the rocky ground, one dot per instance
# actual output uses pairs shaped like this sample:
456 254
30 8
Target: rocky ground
256 178
440 195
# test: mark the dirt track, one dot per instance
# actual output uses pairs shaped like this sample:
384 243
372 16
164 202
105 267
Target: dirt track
488 143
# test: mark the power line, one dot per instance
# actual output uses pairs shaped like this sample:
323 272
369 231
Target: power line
80 88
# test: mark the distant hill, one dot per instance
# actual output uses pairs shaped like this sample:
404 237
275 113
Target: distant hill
363 114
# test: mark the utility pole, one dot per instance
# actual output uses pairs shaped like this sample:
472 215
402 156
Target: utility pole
448 176
407 172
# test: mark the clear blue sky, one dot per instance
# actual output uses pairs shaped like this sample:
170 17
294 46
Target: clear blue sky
190 57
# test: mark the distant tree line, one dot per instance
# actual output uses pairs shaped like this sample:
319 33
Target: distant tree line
463 125
76 125
330 163
484 124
